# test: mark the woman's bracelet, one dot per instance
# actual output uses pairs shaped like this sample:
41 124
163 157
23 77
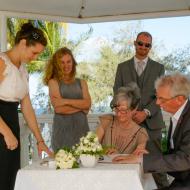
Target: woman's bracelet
41 141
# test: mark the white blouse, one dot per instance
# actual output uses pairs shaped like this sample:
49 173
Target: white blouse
14 85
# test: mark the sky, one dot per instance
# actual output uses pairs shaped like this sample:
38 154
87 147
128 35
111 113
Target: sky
173 33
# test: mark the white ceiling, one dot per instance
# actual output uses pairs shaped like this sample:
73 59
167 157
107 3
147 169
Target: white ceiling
84 11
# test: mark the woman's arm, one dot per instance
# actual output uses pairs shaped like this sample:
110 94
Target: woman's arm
10 140
100 132
68 106
85 102
2 69
57 100
30 118
105 121
142 139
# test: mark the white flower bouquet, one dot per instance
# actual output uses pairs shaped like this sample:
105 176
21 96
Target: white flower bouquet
89 145
65 159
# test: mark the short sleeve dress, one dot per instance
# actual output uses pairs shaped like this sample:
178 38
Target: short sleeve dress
69 128
13 88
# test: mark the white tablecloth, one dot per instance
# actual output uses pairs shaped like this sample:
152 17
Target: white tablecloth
101 177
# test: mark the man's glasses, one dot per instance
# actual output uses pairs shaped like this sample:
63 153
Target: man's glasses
147 45
164 100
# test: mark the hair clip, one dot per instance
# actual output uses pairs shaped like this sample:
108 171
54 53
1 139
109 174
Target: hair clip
35 35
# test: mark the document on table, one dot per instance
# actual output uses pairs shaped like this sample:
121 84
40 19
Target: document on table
108 158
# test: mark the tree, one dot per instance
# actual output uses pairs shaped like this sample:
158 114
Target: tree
118 50
179 60
56 34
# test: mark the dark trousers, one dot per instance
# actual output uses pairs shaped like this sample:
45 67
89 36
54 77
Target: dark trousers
178 185
9 159
160 179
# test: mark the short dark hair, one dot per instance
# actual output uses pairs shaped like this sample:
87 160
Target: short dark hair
145 34
31 34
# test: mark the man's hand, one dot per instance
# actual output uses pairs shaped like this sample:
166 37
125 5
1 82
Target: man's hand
139 116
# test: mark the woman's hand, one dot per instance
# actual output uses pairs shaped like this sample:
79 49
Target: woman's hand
58 101
11 141
140 151
111 151
42 147
129 159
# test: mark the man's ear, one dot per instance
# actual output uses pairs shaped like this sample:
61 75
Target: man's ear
180 99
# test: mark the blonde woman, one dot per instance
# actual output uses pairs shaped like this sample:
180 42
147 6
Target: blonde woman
70 99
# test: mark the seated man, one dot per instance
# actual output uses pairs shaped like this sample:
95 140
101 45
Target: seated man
172 96
119 132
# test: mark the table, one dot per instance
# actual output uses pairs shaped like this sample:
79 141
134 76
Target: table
101 177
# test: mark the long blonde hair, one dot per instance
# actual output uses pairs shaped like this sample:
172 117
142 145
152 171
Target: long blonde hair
53 68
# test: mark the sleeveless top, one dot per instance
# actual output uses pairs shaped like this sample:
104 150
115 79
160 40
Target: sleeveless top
14 85
124 139
69 128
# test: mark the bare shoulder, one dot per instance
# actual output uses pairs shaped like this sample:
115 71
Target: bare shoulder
143 131
52 82
2 64
106 118
83 82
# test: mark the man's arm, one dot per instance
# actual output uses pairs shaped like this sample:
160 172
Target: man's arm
118 79
152 107
178 161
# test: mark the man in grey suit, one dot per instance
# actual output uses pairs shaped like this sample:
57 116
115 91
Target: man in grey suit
172 93
144 71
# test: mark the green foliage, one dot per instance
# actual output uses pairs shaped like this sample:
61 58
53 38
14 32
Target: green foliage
56 34
112 53
178 60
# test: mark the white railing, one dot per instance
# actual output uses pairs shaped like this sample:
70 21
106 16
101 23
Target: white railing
28 144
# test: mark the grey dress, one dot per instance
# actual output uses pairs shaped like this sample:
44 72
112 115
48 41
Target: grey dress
68 128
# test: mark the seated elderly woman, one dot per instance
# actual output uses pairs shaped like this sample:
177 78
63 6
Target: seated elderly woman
119 132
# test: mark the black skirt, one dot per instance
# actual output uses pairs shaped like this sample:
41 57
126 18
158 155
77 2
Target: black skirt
9 159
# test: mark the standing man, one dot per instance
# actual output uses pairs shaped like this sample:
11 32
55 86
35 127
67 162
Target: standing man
144 71
172 93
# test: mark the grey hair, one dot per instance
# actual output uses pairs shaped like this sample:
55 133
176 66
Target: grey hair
130 93
178 83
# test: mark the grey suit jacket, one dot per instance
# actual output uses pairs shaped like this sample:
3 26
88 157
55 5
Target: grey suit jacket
177 161
126 73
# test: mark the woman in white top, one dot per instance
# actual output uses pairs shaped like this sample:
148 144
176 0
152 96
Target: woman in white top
29 43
